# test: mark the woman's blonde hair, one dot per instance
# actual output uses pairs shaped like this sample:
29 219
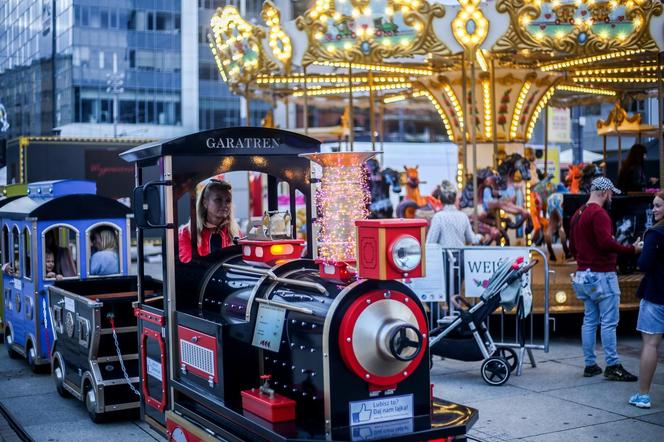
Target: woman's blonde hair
201 211
107 239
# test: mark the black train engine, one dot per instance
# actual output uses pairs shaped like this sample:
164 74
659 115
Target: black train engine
336 358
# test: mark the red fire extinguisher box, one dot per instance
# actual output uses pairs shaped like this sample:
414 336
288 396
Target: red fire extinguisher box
275 408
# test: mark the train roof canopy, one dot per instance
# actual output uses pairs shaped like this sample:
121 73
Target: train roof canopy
67 207
231 141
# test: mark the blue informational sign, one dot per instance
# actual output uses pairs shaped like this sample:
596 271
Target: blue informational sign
381 410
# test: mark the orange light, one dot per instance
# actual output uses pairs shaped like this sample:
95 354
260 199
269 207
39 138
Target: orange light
281 249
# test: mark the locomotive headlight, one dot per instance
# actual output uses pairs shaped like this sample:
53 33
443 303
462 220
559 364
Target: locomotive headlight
406 253
561 297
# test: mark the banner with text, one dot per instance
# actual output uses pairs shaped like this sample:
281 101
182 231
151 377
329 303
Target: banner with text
480 264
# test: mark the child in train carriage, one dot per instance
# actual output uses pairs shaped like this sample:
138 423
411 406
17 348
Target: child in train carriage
49 264
215 223
105 260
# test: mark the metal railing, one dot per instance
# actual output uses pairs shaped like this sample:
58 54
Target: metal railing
524 328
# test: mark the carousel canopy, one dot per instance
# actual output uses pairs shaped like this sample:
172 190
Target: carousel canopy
488 68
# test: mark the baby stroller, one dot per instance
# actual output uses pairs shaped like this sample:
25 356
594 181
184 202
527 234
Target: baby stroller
467 338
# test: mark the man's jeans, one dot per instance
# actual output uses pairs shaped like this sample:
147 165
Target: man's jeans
600 309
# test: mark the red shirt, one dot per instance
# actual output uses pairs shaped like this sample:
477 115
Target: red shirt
592 242
184 242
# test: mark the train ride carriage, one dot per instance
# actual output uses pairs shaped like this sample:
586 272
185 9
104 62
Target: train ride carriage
258 340
50 235
8 194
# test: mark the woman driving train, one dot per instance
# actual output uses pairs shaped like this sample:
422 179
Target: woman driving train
215 224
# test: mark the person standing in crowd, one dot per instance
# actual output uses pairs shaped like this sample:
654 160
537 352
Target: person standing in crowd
651 309
450 227
632 176
596 282
215 224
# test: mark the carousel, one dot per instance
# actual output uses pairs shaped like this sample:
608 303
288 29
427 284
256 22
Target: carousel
488 69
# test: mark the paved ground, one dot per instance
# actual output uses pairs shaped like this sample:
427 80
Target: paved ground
551 402
45 416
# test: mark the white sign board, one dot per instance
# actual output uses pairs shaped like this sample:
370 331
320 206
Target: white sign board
431 287
381 410
70 305
480 264
269 327
154 368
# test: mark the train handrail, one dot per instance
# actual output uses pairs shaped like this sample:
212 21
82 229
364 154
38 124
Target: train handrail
273 277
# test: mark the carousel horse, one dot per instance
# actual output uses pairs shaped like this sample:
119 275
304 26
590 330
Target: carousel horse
510 198
573 178
487 225
381 181
415 202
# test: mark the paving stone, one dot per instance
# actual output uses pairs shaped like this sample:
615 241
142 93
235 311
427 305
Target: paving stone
87 431
609 396
655 418
551 375
624 430
463 387
532 414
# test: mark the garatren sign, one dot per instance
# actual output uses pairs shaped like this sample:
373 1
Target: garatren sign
242 143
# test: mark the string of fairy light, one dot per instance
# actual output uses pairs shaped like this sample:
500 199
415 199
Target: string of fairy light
342 198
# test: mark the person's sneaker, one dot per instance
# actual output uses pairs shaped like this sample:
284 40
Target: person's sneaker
592 370
640 400
618 373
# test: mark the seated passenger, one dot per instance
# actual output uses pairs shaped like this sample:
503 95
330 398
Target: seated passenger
215 224
49 264
105 260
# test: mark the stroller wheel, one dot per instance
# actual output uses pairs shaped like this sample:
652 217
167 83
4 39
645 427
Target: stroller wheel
509 355
495 371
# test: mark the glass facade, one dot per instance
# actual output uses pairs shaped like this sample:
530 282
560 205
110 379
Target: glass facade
125 50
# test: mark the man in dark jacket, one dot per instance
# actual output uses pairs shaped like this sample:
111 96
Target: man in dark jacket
596 281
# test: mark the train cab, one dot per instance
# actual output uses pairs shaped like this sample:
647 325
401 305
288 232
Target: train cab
61 230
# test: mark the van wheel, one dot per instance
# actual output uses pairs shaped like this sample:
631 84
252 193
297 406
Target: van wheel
59 378
9 340
91 404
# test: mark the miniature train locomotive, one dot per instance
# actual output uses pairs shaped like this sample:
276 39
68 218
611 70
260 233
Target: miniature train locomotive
339 355
49 235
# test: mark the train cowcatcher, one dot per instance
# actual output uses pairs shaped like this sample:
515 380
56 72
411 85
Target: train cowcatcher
264 339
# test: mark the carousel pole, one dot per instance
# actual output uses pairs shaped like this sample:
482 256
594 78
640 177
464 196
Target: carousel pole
464 141
247 106
473 136
351 124
604 148
372 119
660 116
619 152
305 97
382 130
286 102
494 123
546 141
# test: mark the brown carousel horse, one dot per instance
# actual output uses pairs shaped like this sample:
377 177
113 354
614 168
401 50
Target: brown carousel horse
414 201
